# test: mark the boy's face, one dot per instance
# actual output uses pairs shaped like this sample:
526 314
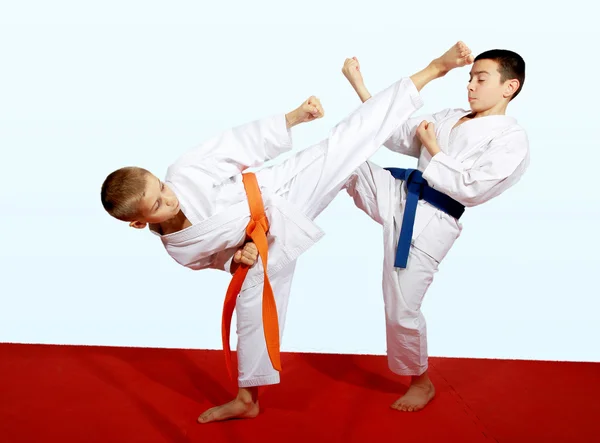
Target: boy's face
158 204
485 89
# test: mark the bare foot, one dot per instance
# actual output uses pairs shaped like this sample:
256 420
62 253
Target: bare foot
245 405
420 392
234 409
457 56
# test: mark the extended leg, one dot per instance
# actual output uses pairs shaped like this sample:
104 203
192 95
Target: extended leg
319 172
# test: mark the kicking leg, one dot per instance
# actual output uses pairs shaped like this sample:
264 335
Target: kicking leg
319 172
373 190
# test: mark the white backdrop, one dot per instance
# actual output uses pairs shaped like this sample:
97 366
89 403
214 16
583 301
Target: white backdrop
90 87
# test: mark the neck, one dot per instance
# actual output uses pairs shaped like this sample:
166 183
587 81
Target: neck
499 109
173 224
172 221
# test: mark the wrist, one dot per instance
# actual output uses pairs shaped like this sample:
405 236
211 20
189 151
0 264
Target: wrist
291 118
358 85
437 69
434 149
362 91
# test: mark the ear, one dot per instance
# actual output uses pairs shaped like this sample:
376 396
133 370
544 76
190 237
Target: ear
138 224
510 87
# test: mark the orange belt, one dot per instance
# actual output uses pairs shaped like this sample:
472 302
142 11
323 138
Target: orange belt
257 231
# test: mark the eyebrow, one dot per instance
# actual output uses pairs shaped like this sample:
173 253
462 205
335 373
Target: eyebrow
479 72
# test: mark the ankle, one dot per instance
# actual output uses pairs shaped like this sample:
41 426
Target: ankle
247 396
420 380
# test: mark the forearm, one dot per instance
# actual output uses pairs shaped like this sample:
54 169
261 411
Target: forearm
447 175
471 186
500 166
362 91
433 149
420 79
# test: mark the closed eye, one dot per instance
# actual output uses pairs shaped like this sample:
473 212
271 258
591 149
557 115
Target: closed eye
162 187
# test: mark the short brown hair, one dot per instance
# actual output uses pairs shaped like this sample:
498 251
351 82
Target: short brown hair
122 191
510 65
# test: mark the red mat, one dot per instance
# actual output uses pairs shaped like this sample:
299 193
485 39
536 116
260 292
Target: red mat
112 395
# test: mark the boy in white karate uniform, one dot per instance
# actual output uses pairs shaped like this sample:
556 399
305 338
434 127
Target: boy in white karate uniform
200 212
465 158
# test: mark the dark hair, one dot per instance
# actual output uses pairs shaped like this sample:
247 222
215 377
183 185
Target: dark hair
122 191
510 65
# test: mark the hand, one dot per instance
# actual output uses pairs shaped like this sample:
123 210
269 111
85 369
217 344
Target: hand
246 255
426 134
351 71
308 111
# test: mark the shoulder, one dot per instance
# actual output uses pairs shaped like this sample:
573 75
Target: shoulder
515 134
513 141
448 113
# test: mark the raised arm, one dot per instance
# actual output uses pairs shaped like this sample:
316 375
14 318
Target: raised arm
251 144
404 140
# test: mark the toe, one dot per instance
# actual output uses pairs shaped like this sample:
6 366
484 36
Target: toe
206 416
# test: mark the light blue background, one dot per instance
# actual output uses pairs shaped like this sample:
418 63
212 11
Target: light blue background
90 87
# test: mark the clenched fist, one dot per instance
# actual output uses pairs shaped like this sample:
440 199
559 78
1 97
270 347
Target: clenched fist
351 71
246 255
308 111
426 134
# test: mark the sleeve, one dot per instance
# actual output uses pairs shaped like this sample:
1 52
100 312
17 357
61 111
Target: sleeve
241 147
501 166
203 263
221 261
405 140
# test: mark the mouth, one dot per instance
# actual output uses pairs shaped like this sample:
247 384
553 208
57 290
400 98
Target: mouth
471 99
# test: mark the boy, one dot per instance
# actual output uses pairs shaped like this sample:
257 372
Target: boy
466 157
206 208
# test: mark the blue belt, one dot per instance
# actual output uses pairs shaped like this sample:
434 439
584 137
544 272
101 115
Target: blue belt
418 188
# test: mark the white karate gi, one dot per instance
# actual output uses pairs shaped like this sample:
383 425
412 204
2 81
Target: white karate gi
480 159
208 183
